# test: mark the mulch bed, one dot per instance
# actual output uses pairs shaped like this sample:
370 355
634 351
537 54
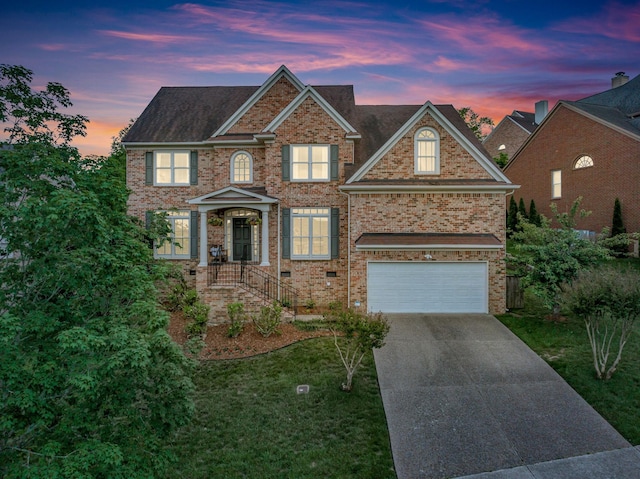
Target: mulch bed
249 343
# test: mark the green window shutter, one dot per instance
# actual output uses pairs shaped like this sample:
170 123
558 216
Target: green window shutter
333 165
193 168
335 233
286 233
148 215
193 234
286 160
148 168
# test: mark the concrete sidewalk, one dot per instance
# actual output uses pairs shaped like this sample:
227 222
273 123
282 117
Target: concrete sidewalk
463 396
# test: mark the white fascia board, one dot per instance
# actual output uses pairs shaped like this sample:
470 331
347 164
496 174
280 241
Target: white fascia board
431 247
283 71
488 165
499 188
309 91
163 146
248 194
599 120
384 149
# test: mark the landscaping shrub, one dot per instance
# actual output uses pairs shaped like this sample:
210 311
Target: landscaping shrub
354 335
269 319
608 300
237 316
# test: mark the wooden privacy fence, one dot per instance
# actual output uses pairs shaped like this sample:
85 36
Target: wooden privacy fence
515 294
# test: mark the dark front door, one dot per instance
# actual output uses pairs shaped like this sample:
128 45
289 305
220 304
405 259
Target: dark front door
241 240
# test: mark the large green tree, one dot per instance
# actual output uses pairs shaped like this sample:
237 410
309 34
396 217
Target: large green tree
549 257
480 125
90 381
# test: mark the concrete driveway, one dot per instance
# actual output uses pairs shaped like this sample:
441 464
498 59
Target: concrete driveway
463 395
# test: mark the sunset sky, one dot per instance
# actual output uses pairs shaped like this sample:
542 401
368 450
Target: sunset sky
494 56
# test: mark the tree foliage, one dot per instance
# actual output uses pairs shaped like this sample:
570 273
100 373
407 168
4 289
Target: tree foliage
480 125
35 116
512 217
355 334
501 160
90 381
548 258
534 216
608 300
522 209
617 225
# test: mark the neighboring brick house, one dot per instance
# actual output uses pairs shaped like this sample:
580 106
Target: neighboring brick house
385 208
588 148
513 130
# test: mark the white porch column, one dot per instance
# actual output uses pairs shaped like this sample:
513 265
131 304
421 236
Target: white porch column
203 238
264 256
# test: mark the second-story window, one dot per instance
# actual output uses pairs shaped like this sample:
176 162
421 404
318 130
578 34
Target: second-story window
241 167
310 162
171 168
427 152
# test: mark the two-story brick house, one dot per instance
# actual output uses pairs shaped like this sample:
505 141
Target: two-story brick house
386 208
588 148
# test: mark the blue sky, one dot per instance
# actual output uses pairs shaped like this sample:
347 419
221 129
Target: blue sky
494 56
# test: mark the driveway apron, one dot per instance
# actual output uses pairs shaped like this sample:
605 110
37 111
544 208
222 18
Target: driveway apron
463 395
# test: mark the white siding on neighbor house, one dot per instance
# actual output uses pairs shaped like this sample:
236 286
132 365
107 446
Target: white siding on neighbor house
427 287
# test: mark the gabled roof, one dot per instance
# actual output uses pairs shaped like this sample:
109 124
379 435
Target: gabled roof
282 72
525 120
449 118
187 114
310 92
232 196
617 108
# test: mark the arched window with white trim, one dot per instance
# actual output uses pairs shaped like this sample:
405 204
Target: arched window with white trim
427 152
241 167
583 161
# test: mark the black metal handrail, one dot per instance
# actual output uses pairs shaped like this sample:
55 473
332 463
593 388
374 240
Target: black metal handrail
253 279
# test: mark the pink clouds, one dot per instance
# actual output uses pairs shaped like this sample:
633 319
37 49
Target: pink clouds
149 37
616 21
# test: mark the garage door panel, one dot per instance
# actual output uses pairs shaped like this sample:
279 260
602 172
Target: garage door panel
413 287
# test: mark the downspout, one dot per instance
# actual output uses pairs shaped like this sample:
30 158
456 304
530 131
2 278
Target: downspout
279 266
348 246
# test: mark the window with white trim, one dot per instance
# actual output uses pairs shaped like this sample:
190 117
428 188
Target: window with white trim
584 161
171 168
241 167
179 246
556 184
427 152
310 162
310 235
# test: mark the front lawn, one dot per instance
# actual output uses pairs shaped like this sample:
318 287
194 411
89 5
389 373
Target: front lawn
565 346
250 421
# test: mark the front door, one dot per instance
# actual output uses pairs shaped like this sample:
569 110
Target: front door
241 240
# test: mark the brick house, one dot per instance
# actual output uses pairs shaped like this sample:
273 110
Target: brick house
513 130
588 148
290 191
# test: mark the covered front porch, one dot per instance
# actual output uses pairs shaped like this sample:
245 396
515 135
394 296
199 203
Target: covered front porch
234 226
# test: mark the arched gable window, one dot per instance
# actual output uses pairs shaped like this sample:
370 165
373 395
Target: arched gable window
241 167
427 152
583 162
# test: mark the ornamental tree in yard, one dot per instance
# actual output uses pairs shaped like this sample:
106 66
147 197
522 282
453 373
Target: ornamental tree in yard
90 381
608 300
355 334
548 258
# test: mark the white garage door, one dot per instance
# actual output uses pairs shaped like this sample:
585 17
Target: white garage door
435 287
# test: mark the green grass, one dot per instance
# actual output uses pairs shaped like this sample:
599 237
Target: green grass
251 423
565 346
